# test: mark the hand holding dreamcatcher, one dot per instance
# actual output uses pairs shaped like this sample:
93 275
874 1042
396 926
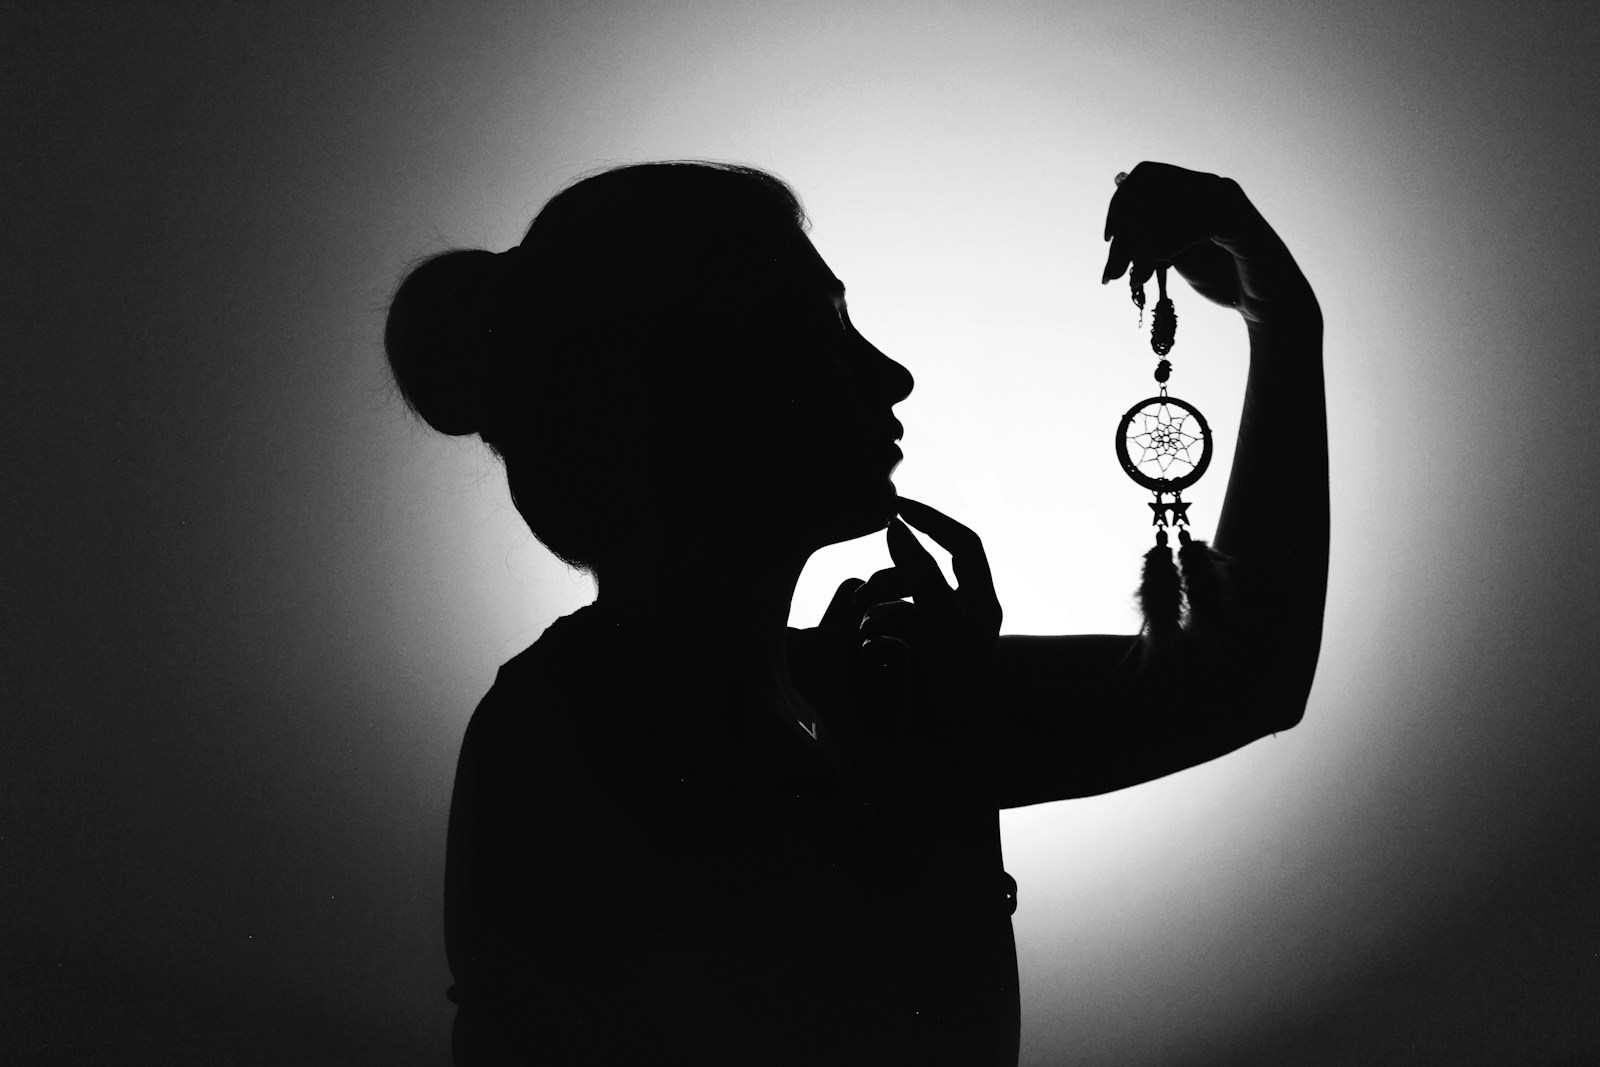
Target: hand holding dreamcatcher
1164 443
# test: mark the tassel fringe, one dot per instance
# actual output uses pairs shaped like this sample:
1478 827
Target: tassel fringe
1192 604
1161 599
1205 584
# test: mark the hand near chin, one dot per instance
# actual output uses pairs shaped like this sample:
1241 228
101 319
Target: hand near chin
926 654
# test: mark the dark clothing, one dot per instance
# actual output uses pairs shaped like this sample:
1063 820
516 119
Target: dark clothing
644 870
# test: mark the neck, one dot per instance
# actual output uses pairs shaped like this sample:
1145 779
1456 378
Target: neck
714 610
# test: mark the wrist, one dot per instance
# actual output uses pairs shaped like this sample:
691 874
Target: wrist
1272 288
1286 312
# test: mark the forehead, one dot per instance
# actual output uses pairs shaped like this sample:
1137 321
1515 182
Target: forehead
801 266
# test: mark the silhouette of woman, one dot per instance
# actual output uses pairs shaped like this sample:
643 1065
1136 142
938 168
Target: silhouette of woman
683 833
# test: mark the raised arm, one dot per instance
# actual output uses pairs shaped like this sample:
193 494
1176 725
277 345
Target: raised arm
1078 714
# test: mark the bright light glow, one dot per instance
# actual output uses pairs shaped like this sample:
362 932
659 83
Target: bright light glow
259 602
956 161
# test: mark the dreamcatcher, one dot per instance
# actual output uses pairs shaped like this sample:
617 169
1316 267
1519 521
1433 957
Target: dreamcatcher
1164 444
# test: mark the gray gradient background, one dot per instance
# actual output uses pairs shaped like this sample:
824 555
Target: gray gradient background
249 605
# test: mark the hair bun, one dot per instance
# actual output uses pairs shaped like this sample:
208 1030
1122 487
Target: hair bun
437 338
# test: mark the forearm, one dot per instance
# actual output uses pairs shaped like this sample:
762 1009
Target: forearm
1274 522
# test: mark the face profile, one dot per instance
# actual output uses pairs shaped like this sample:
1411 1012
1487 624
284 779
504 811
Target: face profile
815 400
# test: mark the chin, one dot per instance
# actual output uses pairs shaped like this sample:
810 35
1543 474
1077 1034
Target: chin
865 513
890 505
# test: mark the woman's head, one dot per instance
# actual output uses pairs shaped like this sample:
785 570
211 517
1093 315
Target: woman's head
665 337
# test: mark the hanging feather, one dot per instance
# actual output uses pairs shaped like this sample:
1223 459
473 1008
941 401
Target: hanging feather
1161 600
1205 583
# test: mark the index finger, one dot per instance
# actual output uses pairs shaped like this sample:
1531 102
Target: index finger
1118 200
967 557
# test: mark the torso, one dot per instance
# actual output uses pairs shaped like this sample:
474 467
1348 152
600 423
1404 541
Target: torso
601 825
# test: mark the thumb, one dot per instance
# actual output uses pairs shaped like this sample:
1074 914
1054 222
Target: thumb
842 609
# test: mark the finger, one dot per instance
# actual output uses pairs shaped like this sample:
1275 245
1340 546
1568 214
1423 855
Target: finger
1112 214
891 583
1139 257
1127 188
949 533
927 581
1117 260
889 635
967 558
895 620
1117 256
842 609
963 544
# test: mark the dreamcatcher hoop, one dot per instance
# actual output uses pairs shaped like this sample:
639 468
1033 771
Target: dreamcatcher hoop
1167 437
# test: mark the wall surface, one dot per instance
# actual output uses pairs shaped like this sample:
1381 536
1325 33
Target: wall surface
251 604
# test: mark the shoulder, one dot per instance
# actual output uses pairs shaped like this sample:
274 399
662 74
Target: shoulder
575 712
530 687
520 744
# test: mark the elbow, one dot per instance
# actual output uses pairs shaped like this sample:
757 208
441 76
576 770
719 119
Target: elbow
1276 671
1265 692
1257 672
1254 712
1287 716
1282 698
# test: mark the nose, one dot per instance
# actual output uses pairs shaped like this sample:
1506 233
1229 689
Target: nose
899 380
891 380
